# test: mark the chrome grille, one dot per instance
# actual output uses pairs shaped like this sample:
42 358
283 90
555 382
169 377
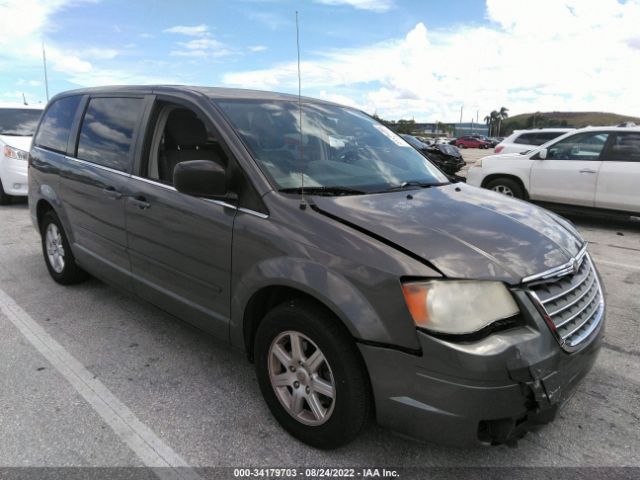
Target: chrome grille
572 304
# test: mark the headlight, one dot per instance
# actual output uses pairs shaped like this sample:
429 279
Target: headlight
11 152
458 307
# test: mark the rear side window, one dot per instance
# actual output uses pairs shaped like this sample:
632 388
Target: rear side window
625 147
106 135
526 139
544 137
55 127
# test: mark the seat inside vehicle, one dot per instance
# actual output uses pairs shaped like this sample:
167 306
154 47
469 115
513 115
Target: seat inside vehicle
180 136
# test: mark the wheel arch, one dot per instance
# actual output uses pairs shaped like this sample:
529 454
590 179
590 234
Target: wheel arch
280 279
516 178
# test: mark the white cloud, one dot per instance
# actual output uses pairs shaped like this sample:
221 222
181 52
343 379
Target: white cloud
270 20
258 48
544 55
193 31
378 6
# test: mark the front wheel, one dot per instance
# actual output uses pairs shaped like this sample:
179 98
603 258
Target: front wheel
506 186
57 253
311 375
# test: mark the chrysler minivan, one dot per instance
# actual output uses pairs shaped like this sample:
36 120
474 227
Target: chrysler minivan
360 281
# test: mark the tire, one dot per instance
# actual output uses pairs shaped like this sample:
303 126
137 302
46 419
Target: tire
341 368
506 186
57 253
4 198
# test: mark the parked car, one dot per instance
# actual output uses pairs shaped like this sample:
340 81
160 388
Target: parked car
525 140
17 124
446 157
469 141
595 167
354 275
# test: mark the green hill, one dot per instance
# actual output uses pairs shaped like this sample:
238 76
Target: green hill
563 119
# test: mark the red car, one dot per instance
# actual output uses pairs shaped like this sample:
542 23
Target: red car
468 141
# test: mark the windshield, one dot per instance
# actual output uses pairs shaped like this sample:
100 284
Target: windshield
19 121
341 148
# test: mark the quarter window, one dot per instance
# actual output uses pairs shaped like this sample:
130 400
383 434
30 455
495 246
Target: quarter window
544 137
526 139
54 130
106 136
625 147
584 146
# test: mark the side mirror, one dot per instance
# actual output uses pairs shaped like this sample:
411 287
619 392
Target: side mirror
200 178
542 154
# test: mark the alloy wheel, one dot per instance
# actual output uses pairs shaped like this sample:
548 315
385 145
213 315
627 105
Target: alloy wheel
55 249
301 378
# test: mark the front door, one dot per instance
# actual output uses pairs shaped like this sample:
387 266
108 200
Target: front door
179 245
619 178
570 172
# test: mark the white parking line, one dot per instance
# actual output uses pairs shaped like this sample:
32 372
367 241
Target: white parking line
151 450
616 264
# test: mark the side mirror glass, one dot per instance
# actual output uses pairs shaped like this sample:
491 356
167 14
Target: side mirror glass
542 154
200 178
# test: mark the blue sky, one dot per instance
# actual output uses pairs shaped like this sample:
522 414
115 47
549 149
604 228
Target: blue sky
399 58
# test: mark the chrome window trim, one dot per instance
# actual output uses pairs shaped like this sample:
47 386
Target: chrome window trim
215 202
100 167
558 271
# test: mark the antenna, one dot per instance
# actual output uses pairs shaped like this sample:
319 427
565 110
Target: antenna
24 99
44 63
303 204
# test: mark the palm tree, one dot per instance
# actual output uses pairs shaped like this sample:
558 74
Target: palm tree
502 115
494 120
488 120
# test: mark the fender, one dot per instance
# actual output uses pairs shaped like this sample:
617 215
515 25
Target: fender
326 286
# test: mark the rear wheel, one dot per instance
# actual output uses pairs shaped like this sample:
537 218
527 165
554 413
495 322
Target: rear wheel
311 375
4 198
57 254
506 186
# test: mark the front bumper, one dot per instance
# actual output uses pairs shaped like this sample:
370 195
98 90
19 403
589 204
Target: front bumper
489 391
475 176
13 174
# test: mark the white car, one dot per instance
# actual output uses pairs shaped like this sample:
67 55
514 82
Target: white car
594 167
525 140
17 124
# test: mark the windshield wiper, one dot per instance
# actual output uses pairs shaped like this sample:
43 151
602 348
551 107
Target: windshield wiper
413 184
328 191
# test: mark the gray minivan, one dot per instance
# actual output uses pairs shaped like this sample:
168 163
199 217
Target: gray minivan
358 278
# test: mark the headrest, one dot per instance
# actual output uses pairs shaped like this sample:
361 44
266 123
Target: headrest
185 128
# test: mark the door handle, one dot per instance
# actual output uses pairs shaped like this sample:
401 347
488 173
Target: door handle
111 192
587 170
141 202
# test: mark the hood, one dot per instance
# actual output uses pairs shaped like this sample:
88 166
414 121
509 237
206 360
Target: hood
465 232
21 143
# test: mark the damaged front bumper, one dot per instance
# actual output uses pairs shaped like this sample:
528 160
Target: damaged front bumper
488 391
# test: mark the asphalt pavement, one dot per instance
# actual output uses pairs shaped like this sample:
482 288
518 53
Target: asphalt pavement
90 376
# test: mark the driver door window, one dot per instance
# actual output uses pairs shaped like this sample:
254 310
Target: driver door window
585 146
569 174
180 135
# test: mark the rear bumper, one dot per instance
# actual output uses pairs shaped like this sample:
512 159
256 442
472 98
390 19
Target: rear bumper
488 392
13 174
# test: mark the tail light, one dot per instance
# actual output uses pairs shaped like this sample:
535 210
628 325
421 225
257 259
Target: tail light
499 148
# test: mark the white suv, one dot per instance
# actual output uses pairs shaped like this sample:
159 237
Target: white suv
17 124
525 140
595 167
